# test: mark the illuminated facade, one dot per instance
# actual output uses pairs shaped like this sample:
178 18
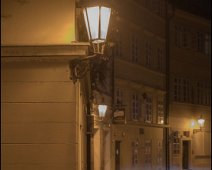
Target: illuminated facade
43 120
138 137
190 91
140 87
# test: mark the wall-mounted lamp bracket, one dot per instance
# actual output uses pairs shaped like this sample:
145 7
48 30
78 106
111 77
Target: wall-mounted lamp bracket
98 48
79 67
197 130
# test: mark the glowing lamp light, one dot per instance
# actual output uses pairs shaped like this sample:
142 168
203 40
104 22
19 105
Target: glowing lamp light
102 110
97 22
201 121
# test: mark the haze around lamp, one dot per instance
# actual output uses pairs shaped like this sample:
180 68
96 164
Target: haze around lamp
102 110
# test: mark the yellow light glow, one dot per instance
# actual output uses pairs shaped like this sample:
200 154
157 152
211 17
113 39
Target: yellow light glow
69 35
161 121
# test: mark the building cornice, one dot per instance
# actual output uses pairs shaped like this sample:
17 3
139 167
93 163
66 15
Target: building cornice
41 52
192 17
139 85
141 124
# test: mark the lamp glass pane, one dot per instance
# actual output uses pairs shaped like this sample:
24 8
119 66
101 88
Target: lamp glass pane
86 23
105 18
102 110
93 20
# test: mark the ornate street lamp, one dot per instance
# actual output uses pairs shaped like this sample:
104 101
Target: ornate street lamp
97 17
97 21
201 123
102 110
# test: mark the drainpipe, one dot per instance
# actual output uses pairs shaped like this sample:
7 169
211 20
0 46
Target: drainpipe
88 138
167 37
167 86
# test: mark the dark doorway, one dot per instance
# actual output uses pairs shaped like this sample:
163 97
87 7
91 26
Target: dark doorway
117 155
185 158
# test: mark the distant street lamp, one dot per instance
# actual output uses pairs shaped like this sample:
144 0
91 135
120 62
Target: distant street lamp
201 123
102 110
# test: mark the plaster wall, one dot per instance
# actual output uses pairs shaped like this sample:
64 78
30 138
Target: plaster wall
37 22
38 116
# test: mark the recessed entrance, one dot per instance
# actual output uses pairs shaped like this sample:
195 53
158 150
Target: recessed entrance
185 156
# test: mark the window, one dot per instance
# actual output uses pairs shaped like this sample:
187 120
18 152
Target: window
193 40
199 93
176 36
204 96
148 54
135 106
148 152
143 108
179 36
156 6
192 97
149 109
159 152
185 89
134 49
118 46
207 44
177 89
188 91
200 42
160 111
134 153
208 96
160 59
119 97
185 37
203 93
176 146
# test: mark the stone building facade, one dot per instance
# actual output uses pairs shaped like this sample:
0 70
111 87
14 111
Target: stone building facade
139 137
190 90
153 103
42 111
